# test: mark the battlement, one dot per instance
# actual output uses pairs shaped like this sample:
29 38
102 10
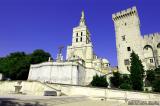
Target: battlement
124 13
152 36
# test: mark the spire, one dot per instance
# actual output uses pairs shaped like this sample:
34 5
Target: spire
82 20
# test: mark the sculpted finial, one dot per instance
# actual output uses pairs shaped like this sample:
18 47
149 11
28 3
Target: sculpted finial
82 20
82 14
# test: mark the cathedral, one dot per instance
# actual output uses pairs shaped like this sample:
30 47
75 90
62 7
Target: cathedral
81 62
82 48
129 38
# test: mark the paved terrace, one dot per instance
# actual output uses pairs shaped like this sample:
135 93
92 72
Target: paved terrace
22 100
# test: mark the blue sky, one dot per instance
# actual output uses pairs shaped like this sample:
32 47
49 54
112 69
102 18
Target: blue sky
26 25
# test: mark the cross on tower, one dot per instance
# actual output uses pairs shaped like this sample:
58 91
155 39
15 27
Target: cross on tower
59 56
60 49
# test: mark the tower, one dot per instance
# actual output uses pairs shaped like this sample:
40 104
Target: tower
128 37
81 47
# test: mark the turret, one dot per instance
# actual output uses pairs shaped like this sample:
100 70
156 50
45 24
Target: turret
128 37
125 14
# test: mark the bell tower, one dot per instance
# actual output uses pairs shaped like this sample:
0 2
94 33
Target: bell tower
81 35
81 47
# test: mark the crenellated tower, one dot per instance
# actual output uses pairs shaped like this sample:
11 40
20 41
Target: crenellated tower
128 37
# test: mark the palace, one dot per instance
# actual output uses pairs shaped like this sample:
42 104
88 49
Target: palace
81 63
129 38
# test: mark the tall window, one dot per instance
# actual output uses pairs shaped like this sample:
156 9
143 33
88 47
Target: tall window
128 68
76 39
81 39
77 34
81 33
158 46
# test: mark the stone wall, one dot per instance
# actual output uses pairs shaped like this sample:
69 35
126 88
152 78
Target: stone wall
62 72
57 72
104 93
28 88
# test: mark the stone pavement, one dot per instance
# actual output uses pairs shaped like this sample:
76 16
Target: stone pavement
16 100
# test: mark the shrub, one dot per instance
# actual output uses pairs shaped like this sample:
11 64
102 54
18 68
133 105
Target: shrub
99 81
125 86
116 80
156 86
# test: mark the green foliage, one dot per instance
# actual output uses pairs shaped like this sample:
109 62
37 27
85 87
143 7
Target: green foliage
153 78
150 77
126 83
157 73
156 86
157 70
126 86
126 79
116 80
16 65
137 72
99 81
120 81
39 56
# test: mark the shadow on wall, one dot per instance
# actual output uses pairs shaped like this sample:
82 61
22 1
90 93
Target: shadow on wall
14 102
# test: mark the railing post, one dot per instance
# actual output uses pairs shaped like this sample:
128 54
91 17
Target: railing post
126 99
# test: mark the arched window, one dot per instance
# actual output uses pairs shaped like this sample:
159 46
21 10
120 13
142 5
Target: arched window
148 51
148 54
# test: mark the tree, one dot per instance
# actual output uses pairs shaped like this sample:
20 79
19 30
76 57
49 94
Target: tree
137 72
153 77
13 64
150 77
39 56
116 80
126 83
157 73
16 65
156 85
99 81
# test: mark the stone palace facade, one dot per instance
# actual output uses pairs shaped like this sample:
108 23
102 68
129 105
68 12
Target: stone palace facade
81 63
129 38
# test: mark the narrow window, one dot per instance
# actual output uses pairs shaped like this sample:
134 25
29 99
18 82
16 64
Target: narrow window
126 62
125 23
128 48
81 33
128 68
158 46
123 38
151 60
81 39
77 34
76 39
